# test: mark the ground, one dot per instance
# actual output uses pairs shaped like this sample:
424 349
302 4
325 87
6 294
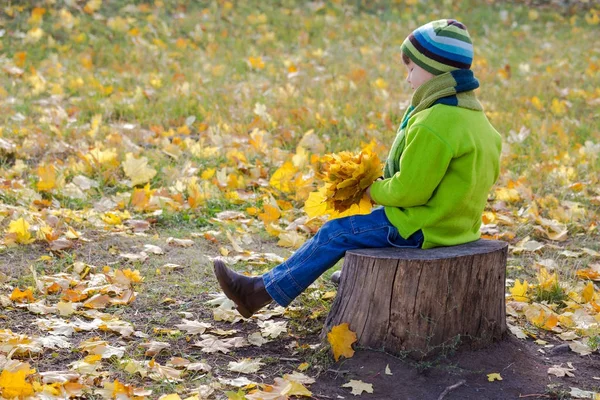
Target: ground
522 364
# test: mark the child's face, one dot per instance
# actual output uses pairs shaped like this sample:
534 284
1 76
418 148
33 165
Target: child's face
416 75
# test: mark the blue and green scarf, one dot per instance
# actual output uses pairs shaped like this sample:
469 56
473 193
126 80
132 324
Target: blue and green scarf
453 88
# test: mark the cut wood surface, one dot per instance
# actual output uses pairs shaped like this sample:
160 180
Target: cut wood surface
421 302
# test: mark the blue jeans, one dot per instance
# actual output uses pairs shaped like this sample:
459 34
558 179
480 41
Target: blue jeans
287 280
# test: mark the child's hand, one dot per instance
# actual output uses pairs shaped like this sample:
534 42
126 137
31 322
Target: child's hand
369 190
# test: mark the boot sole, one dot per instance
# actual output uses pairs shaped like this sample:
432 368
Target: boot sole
223 278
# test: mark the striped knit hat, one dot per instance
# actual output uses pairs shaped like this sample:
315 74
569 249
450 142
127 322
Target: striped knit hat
440 46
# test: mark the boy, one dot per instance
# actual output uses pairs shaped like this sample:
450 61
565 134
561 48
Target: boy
441 166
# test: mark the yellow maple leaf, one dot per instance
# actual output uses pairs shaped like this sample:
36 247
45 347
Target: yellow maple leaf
347 177
291 239
316 204
99 157
173 396
47 178
132 275
282 178
546 280
519 291
111 218
494 377
137 169
13 384
540 318
507 194
588 292
97 301
92 6
341 339
295 389
21 296
20 230
558 107
256 62
303 367
271 214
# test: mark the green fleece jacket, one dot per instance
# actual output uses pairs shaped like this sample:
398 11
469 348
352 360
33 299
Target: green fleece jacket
449 163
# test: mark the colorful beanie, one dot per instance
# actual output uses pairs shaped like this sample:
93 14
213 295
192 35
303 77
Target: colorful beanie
440 46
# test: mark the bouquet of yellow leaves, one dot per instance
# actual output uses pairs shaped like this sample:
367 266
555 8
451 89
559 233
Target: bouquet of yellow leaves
347 177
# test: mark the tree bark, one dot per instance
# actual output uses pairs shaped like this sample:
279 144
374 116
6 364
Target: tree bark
422 302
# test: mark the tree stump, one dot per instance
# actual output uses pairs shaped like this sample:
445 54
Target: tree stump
418 302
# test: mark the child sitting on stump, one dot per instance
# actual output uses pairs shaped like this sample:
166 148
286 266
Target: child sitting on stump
441 166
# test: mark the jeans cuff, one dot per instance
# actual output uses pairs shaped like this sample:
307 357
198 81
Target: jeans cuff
275 290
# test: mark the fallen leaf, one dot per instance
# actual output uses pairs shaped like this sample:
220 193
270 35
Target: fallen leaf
245 366
561 371
577 393
180 242
154 347
494 377
358 387
581 348
152 249
257 339
21 296
341 338
299 377
137 169
211 344
97 301
199 366
14 384
272 329
193 327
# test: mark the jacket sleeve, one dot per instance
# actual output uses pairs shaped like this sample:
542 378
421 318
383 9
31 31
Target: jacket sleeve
423 164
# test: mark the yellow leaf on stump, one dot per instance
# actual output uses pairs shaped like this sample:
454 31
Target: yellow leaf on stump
341 339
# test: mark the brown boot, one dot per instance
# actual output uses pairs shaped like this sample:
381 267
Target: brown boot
247 292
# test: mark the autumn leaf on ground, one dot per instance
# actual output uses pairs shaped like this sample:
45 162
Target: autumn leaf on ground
341 338
280 390
19 229
580 347
561 371
137 169
14 384
358 387
245 366
211 344
519 291
299 377
257 339
180 242
494 377
272 329
47 175
20 296
193 327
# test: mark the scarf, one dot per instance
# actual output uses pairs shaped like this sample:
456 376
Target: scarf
453 88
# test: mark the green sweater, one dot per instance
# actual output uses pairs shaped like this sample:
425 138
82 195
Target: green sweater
450 162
